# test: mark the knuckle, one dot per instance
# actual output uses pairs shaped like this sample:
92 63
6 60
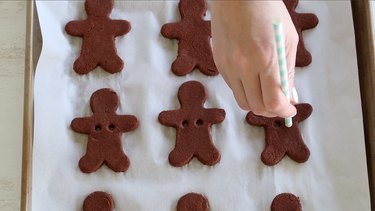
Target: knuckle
266 55
240 62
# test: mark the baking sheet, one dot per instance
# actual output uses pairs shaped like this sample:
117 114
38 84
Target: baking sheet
334 178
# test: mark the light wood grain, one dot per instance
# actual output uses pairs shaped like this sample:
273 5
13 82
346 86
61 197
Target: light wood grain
12 30
32 53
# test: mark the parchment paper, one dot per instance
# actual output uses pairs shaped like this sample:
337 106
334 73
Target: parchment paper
334 178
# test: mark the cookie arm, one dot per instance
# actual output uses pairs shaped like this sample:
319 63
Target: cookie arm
169 118
256 120
82 125
127 123
171 30
304 110
121 27
308 20
76 28
215 115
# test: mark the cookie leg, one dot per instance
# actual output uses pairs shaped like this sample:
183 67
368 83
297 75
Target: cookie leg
210 156
183 65
299 153
209 69
112 63
272 155
117 160
179 157
90 163
84 64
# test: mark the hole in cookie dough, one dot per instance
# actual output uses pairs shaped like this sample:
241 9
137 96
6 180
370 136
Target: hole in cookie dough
199 122
98 128
277 124
185 123
111 127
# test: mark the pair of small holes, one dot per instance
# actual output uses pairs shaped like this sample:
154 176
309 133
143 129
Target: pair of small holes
185 123
111 127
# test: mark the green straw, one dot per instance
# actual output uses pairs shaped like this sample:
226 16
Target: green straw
278 28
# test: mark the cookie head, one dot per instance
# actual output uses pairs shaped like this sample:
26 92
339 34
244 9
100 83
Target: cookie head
104 100
192 94
192 201
192 8
99 7
98 201
286 202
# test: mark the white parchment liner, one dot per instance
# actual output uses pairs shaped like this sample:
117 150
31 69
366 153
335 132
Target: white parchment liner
334 178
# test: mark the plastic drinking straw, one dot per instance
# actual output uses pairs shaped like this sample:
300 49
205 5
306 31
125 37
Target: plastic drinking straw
279 36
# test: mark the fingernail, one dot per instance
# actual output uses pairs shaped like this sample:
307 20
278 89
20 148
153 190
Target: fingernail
295 95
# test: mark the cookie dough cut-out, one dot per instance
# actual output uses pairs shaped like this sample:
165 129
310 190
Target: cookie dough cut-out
104 129
192 122
286 202
98 32
193 34
192 202
98 201
302 21
281 140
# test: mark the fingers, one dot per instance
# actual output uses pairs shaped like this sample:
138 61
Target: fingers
254 97
274 98
239 94
260 94
248 97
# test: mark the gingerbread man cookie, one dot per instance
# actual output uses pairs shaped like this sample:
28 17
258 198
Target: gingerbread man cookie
104 131
98 201
192 122
193 33
98 32
302 21
192 202
286 202
281 140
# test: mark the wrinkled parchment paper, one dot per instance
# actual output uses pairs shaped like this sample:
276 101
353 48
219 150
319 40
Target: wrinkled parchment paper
334 178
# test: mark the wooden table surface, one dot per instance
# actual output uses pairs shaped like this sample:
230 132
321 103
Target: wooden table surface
12 50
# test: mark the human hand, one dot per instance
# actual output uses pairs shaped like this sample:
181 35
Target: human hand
244 50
